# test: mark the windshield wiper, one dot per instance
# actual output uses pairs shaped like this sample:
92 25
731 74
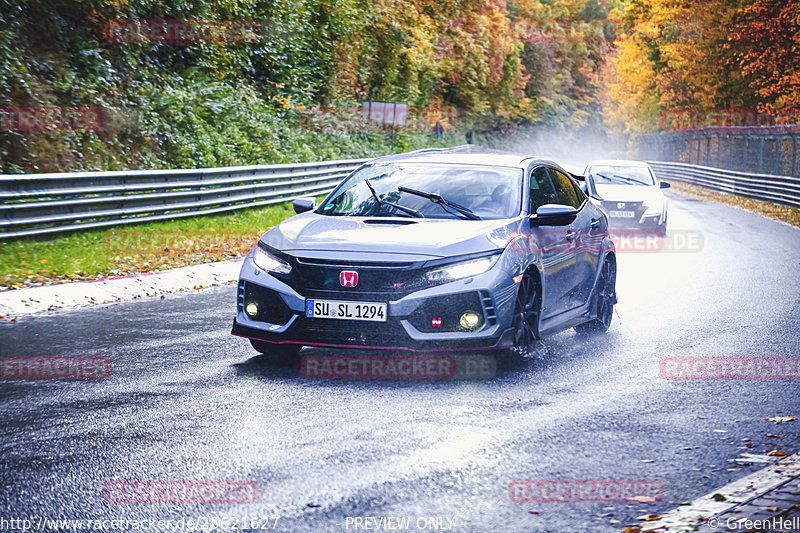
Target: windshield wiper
437 199
626 178
407 210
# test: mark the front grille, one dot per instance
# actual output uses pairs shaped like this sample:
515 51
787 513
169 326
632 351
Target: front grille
351 333
637 208
319 278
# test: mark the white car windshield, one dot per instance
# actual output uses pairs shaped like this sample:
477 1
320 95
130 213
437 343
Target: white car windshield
621 175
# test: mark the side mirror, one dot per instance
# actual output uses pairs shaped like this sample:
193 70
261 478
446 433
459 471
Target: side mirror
664 185
554 215
301 205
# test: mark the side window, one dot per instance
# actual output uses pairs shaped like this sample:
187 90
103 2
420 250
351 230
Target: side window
581 195
542 191
564 189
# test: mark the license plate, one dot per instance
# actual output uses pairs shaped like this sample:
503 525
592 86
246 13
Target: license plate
370 311
621 214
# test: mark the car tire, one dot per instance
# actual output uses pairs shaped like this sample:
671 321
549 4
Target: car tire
282 352
525 322
604 298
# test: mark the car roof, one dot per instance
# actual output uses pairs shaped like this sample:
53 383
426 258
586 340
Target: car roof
618 163
496 159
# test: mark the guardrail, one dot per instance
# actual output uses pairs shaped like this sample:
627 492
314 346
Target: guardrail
778 189
43 204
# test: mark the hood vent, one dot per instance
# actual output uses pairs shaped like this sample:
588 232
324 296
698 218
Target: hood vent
390 221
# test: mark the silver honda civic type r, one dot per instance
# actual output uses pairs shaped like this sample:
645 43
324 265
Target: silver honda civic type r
432 251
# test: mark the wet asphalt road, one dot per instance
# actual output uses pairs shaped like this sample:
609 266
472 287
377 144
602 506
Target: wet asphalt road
188 401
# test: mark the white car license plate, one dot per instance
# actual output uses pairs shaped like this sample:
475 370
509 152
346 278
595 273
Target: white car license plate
621 214
370 311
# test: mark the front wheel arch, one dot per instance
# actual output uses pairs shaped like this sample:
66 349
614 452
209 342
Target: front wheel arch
603 299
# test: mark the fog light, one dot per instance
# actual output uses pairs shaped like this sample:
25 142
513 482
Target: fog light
251 309
469 321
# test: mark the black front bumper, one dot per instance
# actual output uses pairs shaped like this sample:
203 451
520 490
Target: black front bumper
388 335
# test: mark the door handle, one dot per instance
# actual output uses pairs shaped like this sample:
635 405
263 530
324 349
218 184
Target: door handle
595 223
571 235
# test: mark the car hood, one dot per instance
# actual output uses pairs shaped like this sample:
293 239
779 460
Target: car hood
629 193
426 238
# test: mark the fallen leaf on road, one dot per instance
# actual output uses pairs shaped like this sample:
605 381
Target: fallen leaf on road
533 512
632 529
642 499
770 435
649 517
719 498
776 453
647 461
748 445
780 419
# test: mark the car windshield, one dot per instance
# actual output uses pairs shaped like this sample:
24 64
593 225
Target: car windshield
622 175
486 192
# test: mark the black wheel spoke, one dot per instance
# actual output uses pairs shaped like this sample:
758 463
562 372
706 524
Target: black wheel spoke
526 317
604 300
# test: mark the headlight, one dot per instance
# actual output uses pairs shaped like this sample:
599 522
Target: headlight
268 262
652 208
461 270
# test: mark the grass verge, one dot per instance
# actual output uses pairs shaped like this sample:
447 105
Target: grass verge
136 248
784 213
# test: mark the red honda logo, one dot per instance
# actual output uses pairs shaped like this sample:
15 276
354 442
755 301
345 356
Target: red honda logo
348 278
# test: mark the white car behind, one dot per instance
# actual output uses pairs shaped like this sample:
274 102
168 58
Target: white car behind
629 193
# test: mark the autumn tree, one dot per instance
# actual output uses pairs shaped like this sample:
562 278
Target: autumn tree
766 47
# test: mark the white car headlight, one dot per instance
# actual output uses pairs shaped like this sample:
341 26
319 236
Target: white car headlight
268 262
462 270
652 207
